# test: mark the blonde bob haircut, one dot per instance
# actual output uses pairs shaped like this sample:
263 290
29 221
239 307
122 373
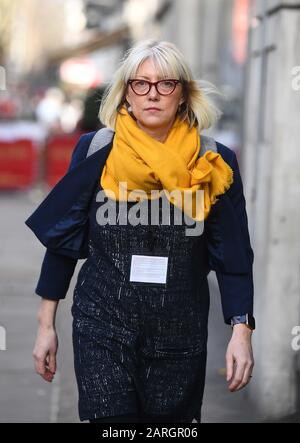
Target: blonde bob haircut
198 109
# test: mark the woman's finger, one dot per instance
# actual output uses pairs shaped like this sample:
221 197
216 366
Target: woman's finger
246 376
238 375
229 366
52 362
40 364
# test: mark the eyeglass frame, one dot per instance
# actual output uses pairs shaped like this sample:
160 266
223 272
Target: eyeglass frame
150 84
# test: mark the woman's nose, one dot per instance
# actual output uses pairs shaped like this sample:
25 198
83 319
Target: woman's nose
153 92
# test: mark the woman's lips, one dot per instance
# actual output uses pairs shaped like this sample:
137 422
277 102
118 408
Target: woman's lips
152 109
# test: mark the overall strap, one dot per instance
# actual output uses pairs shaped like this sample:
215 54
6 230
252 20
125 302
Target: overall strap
207 144
104 136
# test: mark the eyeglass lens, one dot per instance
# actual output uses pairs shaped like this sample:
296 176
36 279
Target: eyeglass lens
163 86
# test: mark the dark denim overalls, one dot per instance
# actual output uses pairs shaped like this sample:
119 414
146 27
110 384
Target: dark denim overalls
140 347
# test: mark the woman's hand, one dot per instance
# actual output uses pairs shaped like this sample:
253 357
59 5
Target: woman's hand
44 352
239 358
46 345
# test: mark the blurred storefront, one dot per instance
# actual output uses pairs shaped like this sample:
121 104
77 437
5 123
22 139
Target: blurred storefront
57 59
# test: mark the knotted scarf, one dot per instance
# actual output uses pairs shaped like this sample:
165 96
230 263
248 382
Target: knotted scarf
146 164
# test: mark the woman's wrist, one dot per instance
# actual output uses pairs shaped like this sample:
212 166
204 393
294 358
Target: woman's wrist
45 325
241 329
47 313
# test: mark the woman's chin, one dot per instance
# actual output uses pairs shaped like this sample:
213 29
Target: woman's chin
152 122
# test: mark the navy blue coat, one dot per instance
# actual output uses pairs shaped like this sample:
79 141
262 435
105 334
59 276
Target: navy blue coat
60 222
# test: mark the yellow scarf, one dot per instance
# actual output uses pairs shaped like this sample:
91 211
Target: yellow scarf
146 164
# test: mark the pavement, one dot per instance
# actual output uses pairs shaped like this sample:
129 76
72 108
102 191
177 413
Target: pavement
25 396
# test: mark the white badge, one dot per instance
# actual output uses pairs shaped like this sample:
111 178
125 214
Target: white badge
148 269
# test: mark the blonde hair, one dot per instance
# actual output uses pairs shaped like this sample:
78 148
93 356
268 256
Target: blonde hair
198 109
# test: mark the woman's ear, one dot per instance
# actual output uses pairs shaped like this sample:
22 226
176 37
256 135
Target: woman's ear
128 106
182 98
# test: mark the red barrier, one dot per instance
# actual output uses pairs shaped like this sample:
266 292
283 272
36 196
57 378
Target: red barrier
18 164
59 149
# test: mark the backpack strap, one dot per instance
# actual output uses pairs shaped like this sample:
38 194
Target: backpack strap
105 135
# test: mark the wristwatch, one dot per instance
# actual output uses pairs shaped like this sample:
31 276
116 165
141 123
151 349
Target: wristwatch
247 319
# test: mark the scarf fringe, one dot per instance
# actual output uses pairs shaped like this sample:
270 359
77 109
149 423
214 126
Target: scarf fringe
228 181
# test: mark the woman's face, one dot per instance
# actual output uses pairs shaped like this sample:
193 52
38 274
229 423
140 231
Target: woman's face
166 105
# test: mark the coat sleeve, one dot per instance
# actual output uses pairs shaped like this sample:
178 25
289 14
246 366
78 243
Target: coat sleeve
230 252
57 270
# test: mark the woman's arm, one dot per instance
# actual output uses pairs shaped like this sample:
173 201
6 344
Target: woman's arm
231 256
55 276
230 252
57 269
46 345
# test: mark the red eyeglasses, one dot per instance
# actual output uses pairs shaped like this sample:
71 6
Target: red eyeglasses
163 87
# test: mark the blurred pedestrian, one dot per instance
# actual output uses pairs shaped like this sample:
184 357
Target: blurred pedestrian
49 109
141 300
89 120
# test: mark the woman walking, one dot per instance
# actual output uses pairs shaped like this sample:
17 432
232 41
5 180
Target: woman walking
141 299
